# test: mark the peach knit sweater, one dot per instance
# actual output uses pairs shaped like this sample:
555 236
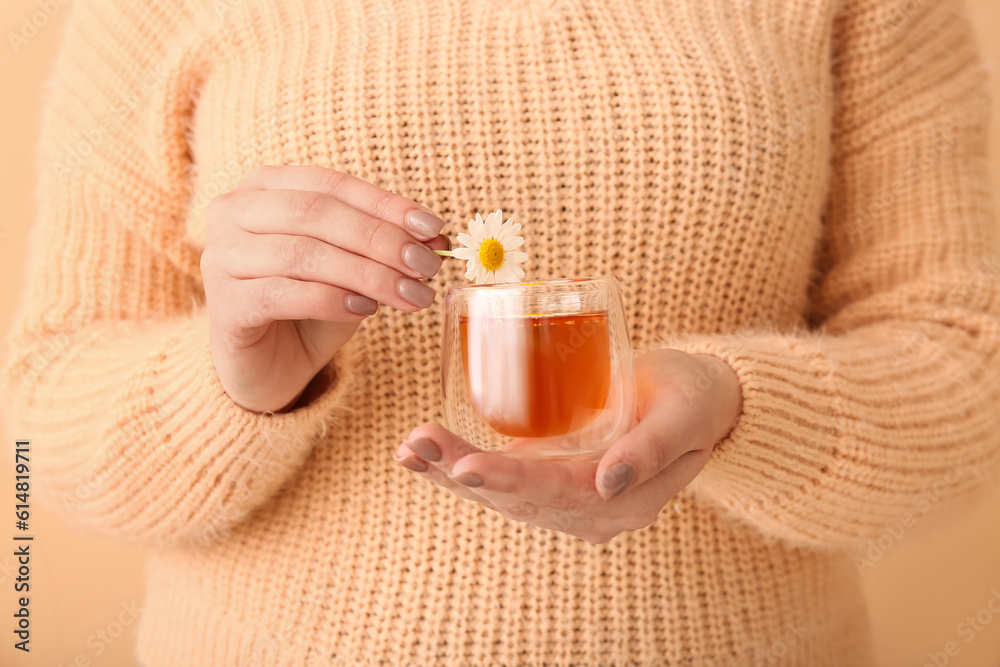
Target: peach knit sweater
796 187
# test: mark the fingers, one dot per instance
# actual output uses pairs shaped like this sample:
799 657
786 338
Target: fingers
317 225
353 191
323 218
424 456
439 243
669 482
554 495
643 452
307 259
640 506
437 445
559 485
670 424
262 300
448 468
501 479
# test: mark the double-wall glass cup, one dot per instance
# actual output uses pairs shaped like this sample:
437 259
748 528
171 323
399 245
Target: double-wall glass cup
540 370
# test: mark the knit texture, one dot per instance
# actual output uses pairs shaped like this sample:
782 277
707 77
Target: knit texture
799 188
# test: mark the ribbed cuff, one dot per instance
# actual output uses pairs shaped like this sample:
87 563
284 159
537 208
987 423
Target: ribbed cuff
191 461
785 439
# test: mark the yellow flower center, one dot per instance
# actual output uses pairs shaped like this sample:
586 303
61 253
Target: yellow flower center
491 254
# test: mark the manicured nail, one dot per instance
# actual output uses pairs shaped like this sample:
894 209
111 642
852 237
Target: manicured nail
361 305
417 293
421 259
410 463
448 240
468 479
425 449
423 224
616 479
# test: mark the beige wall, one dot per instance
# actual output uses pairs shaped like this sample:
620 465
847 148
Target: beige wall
932 578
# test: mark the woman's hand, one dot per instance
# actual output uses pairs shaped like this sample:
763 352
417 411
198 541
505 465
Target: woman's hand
687 403
296 258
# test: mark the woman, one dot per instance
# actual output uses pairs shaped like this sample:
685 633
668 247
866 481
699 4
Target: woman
793 197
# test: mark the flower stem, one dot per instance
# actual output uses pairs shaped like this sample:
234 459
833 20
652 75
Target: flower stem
444 253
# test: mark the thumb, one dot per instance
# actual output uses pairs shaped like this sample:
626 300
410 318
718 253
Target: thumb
658 440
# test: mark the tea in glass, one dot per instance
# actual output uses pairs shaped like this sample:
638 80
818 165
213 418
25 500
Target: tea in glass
543 369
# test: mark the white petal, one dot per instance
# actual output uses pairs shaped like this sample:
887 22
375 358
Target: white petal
517 270
505 275
464 253
477 228
472 270
512 243
515 256
484 276
509 231
467 240
493 221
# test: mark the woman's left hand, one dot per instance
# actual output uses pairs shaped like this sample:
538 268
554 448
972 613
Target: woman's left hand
686 404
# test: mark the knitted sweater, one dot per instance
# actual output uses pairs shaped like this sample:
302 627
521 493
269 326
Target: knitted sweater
798 188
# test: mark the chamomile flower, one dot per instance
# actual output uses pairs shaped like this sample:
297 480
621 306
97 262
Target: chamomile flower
490 250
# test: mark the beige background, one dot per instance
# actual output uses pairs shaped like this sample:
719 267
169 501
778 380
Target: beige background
940 572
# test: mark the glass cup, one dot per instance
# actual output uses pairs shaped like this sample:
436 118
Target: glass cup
540 370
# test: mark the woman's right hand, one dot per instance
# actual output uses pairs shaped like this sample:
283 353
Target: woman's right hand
296 258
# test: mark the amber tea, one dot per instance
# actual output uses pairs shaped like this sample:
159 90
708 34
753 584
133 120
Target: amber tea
537 376
538 369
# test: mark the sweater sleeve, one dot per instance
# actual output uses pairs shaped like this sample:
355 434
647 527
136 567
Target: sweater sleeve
888 403
108 368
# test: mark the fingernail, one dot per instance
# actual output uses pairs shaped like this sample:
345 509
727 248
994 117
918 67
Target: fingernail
616 479
468 479
410 463
424 224
415 292
361 305
448 241
425 449
421 259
